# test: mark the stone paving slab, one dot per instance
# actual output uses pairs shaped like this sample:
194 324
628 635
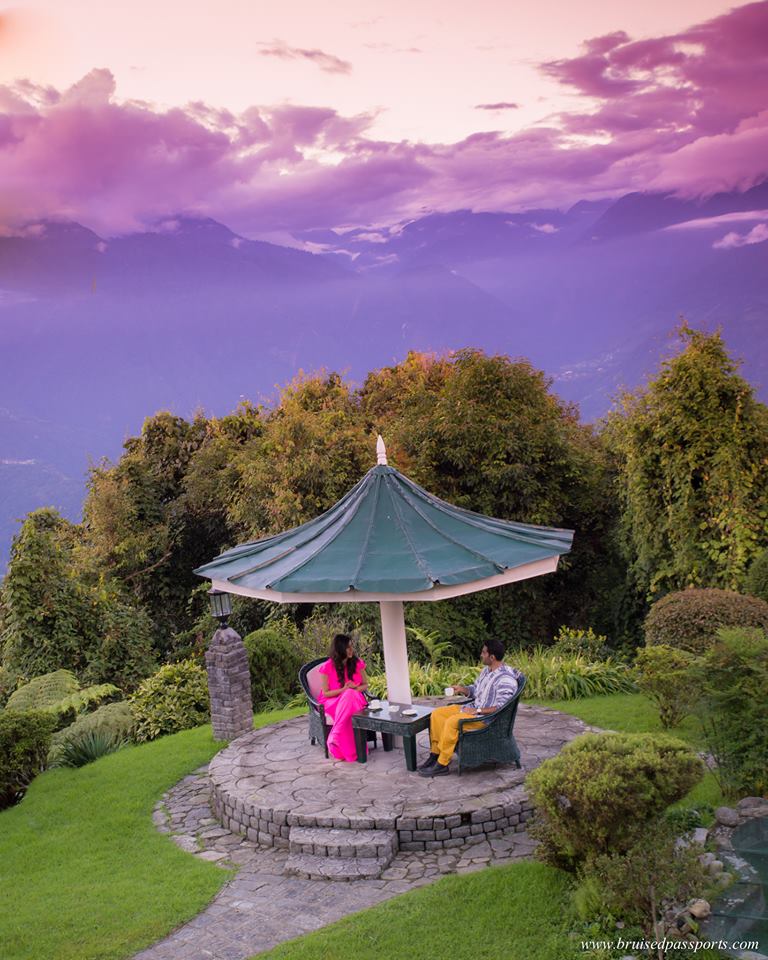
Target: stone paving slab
272 779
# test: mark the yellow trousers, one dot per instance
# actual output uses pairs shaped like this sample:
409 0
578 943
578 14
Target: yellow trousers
444 731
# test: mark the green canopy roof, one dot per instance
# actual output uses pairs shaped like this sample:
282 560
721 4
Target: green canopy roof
388 536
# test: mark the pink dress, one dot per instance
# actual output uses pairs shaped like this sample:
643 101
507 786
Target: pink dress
341 739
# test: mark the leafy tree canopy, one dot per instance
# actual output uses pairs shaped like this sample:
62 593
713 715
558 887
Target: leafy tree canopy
692 451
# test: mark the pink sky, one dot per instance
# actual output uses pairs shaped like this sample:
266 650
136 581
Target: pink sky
283 117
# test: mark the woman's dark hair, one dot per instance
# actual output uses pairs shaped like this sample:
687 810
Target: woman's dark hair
339 656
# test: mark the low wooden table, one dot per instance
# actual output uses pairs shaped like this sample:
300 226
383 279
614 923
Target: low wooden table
391 725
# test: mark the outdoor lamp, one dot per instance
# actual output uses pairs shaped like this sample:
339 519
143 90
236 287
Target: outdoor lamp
221 606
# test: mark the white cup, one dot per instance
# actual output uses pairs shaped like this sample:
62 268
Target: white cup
375 703
393 708
449 691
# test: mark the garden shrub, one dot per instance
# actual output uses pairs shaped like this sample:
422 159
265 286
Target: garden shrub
690 619
597 795
175 698
734 710
113 719
571 641
429 645
427 679
551 676
123 654
274 659
756 583
59 694
665 675
87 747
548 676
635 886
325 621
24 742
8 683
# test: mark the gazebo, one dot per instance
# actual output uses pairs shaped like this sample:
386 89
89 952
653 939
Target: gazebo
388 541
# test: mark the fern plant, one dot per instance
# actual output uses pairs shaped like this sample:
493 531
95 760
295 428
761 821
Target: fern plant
436 649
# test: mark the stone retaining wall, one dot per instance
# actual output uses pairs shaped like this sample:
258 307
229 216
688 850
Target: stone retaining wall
271 828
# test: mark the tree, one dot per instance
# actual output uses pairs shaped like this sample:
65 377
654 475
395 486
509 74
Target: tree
485 433
49 620
313 448
53 619
691 451
160 511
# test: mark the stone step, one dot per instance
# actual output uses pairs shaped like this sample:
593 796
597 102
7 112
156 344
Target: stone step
312 867
339 843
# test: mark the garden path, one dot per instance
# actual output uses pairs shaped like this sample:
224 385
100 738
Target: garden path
261 906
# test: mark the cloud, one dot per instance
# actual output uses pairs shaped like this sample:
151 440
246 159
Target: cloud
705 223
502 105
683 113
758 234
326 61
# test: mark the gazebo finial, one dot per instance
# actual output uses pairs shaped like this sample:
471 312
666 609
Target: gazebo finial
381 451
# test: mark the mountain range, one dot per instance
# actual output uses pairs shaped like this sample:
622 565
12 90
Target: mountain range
97 333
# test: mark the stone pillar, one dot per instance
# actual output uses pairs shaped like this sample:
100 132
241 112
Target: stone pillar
229 685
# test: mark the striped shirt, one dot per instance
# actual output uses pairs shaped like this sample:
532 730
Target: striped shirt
494 688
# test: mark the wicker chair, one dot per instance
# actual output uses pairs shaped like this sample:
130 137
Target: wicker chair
495 742
319 726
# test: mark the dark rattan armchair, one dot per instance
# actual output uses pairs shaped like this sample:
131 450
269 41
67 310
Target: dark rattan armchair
319 726
495 742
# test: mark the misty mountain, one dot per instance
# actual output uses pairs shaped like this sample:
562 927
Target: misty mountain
98 333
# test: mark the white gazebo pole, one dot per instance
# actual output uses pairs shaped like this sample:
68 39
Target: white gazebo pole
395 651
393 630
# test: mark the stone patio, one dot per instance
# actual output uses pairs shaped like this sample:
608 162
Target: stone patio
275 771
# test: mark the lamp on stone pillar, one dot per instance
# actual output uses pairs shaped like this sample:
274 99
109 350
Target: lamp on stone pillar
229 678
221 606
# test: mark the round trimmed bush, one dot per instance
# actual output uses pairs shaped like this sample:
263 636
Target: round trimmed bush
274 659
175 698
600 791
756 583
690 619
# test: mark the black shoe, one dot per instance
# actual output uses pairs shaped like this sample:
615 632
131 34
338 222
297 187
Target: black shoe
436 770
429 762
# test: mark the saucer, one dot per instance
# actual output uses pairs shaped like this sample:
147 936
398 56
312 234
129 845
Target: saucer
378 706
410 713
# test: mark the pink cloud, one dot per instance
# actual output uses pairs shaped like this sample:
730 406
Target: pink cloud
326 61
758 234
684 113
502 105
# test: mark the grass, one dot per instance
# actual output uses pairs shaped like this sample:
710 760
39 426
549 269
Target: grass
627 712
88 874
513 912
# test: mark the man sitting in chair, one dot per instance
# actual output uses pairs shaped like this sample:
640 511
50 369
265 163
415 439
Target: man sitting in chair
495 686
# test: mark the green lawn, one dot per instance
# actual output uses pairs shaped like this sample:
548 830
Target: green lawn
86 871
627 712
513 912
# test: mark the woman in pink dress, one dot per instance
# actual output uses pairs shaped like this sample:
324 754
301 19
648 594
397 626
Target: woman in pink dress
342 682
